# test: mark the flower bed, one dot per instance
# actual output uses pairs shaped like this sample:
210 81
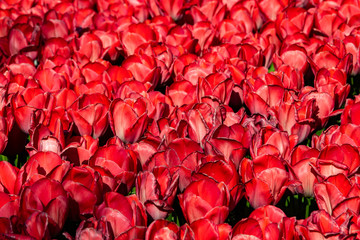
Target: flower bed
158 119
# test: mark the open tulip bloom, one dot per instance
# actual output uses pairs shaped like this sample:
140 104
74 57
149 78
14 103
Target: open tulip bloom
179 119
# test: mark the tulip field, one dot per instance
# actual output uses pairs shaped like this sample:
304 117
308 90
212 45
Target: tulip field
179 119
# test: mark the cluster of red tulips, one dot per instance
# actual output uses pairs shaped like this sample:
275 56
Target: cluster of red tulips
179 119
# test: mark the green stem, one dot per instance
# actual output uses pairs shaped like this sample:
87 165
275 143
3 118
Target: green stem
307 210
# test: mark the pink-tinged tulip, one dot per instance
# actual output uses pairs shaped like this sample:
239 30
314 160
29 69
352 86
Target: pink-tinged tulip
46 196
87 48
204 228
126 216
89 113
336 195
335 159
294 20
157 191
302 160
93 229
221 171
205 199
351 112
30 107
120 162
85 189
182 93
38 166
263 223
162 229
333 81
144 69
271 141
136 35
265 178
128 119
79 149
320 225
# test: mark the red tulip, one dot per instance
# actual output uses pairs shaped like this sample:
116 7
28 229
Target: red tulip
37 167
205 199
320 225
302 160
343 134
162 230
294 20
93 229
351 111
221 171
136 35
206 229
231 142
89 113
30 107
125 215
265 178
144 69
46 198
333 81
55 47
336 195
87 48
157 190
120 162
334 159
131 128
181 38
271 140
79 149
85 189
263 223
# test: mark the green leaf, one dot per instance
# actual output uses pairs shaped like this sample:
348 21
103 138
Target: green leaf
271 68
4 158
132 191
